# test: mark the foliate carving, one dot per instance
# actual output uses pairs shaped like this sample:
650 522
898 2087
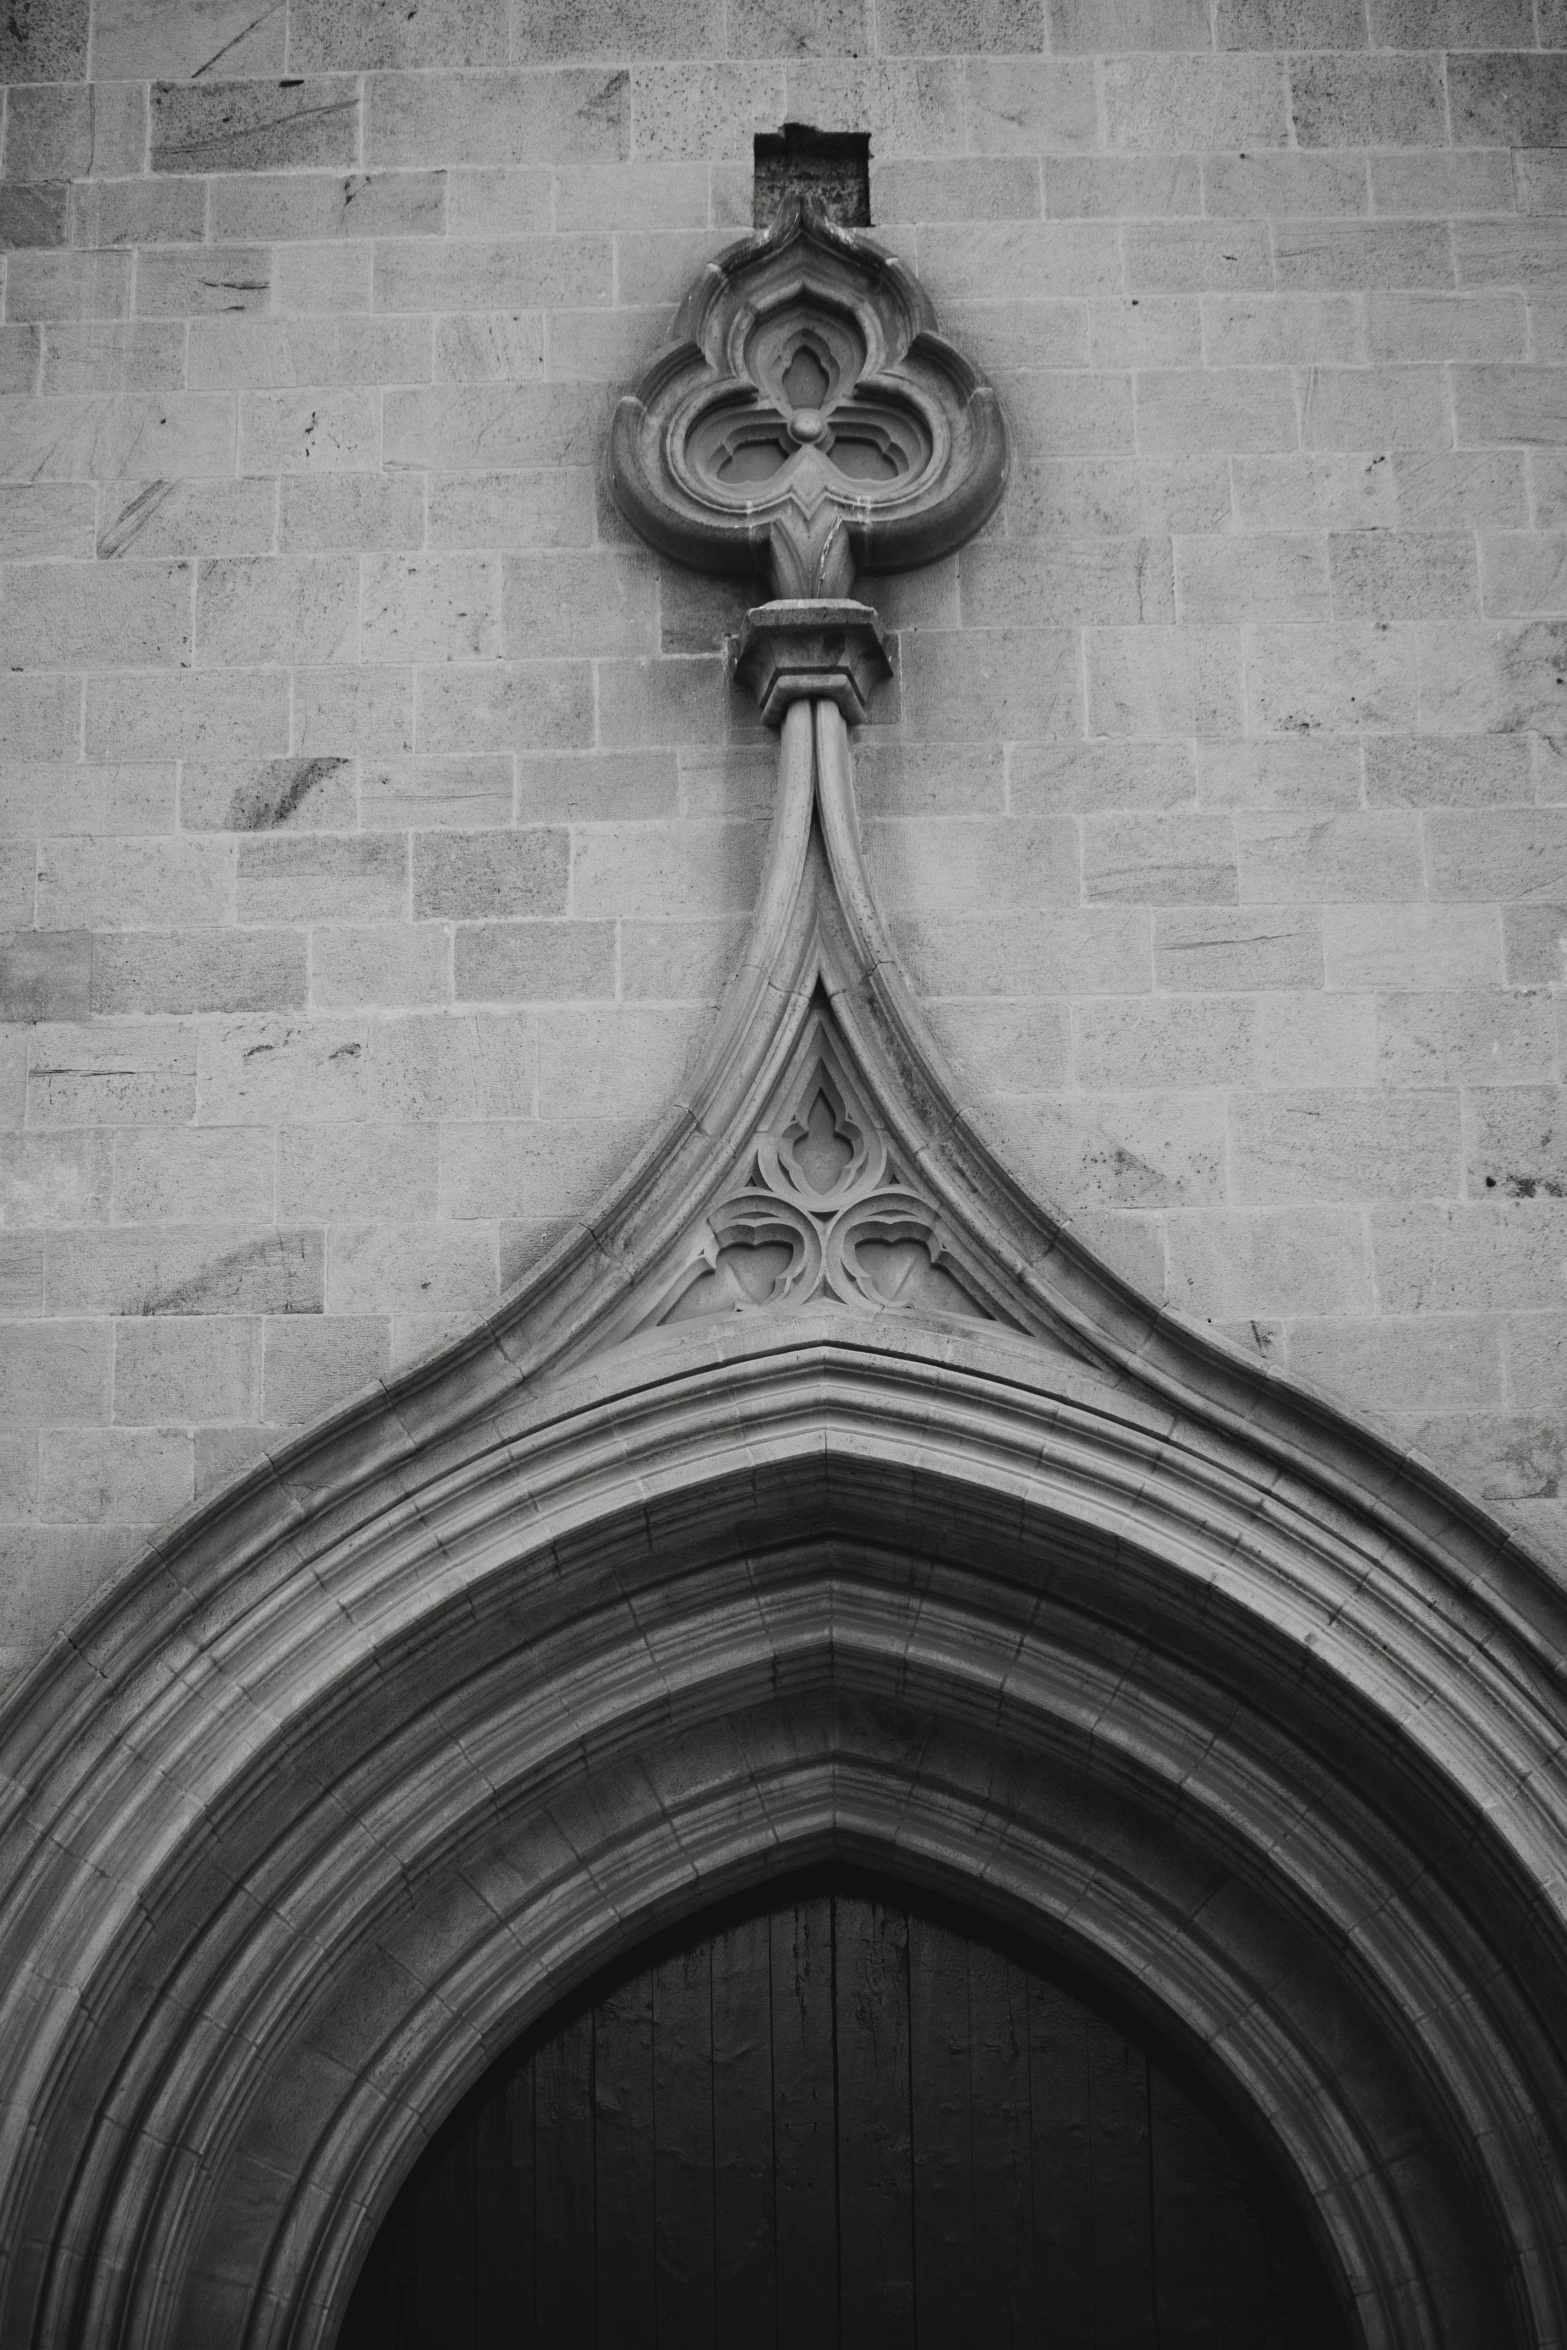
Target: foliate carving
807 420
824 1213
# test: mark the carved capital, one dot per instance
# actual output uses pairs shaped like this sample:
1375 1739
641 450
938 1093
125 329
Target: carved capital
811 649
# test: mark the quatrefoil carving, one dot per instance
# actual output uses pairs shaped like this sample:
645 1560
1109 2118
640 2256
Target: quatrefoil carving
807 420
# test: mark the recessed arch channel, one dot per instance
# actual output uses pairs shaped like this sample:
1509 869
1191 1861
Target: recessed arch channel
356 1781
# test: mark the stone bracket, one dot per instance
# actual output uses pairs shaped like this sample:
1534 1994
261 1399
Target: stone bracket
812 649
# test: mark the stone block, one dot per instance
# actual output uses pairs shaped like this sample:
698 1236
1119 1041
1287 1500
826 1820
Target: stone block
199 971
1267 186
1536 1350
1021 334
1172 103
578 116
134 1074
1135 1042
1092 26
614 1064
1491 1038
678 962
385 1173
316 432
1055 413
498 202
1063 778
63 131
1443 181
90 884
1234 949
603 786
175 39
476 427
380 963
459 1065
194 1269
60 1178
115 436
135 212
1323 256
524 705
1286 859
1216 410
1446 326
361 512
1266 577
1309 774
265 354
45 44
303 877
208 281
1340 100
1289 24
1235 1264
1412 946
533 1168
1163 682
712 111
528 962
1030 106
522 508
511 273
48 522
20 346
260 1071
75 615
1491 680
379 1269
1019 684
310 1365
1314 1040
1159 859
1548 474
1507 101
1314 493
666 871
276 608
1054 583
493 346
909 106
1443 1258
254 125
1438 1363
174 1176
1525 572
1524 253
1333 1145
353 712
1374 408
55 1374
639 196
965 864
429 608
175 1370
1140 1150
1349 677
41 717
68 285
1005 1048
993 258
473 876
1438 490
959 188
1502 853
1475 771
171 518
1147 331
1510 403
45 975
800 28
1392 576
555 604
21 1276
425 792
1168 257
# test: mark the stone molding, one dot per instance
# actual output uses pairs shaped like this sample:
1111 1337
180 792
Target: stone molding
597 1616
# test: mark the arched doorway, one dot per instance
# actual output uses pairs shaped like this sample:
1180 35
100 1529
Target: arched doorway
842 2114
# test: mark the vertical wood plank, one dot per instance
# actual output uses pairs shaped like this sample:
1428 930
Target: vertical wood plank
1124 2316
504 2252
623 2162
1186 2181
1062 2167
805 2125
564 2277
746 2269
875 2165
1002 2308
683 2150
382 2313
444 2246
940 2089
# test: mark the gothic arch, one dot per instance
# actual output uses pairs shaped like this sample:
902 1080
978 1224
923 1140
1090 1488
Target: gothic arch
821 1496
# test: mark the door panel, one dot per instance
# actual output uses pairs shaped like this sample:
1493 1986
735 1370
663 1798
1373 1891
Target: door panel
841 2120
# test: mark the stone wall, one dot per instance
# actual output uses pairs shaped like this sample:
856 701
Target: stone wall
380 825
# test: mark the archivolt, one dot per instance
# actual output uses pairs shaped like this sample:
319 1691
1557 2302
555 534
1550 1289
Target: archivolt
1048 1602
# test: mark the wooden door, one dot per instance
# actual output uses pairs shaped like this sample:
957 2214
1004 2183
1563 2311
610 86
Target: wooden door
845 2120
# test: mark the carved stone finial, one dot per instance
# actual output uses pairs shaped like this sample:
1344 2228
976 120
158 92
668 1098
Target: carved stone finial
807 422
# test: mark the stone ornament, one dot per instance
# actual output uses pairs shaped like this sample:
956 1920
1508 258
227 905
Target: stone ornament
807 421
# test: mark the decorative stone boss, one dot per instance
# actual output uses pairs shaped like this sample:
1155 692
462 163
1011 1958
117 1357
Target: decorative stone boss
805 423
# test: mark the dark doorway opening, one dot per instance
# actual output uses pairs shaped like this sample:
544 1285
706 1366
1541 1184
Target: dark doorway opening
845 2117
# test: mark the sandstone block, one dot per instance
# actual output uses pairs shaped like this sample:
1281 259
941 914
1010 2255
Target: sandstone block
1412 946
1125 1045
1270 576
620 1064
1435 1363
966 864
379 1269
197 1269
1314 1041
1061 778
1339 100
678 962
1181 410
1471 771
1510 403
1388 576
1319 256
666 871
1169 103
1164 681
276 608
1311 774
78 615
259 1071
532 1168
126 1476
167 518
1235 949
1491 679
169 1177
1341 858
421 793
254 126
1029 106
75 130
1344 678
300 878
1444 1258
329 1173
461 1065
179 1369
68 285
130 1075
315 432
45 974
528 962
1138 1150
250 353
1261 186
468 876
1239 1263
399 964
60 1178
115 436
1335 1145
1159 859
369 512
1525 572
55 1374
309 1365
348 712
185 971
1507 101
1374 408
1006 1048
577 116
41 717
89 884
524 508
169 39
